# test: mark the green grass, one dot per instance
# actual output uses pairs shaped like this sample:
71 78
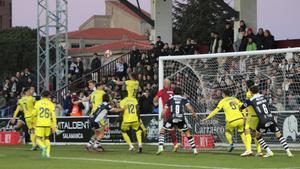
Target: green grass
118 157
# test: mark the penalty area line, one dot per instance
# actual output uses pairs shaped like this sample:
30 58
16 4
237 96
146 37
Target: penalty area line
137 162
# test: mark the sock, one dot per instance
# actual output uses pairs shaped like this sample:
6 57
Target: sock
41 143
174 138
192 142
161 141
228 137
244 139
127 139
33 140
48 146
143 127
258 146
248 142
91 142
139 137
283 143
97 143
264 144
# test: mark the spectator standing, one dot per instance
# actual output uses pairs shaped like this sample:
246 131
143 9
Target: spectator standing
260 38
244 41
135 57
269 40
227 38
159 43
96 63
217 44
243 26
120 69
146 103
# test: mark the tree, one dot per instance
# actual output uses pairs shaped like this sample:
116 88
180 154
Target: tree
17 50
197 18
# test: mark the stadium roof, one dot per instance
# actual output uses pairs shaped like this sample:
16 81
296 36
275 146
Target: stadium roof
114 46
106 34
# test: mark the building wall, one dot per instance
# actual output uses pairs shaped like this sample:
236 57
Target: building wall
122 19
5 14
96 21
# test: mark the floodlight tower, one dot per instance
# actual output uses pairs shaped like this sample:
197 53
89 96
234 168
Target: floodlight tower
52 45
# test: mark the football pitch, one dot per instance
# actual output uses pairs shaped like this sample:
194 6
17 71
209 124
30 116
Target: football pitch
118 157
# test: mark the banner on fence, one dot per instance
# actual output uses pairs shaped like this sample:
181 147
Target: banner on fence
77 129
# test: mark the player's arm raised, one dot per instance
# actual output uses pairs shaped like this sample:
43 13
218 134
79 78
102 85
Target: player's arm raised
215 111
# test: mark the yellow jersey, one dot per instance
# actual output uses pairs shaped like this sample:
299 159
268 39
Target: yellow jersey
44 113
132 87
250 110
96 99
130 113
230 106
26 103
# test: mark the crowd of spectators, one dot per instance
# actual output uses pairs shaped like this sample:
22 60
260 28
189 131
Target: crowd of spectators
277 75
11 90
246 39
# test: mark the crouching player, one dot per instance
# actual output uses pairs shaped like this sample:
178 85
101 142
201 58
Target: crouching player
176 105
44 118
233 117
266 121
98 122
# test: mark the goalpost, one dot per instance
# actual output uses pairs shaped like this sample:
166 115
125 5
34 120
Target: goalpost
277 72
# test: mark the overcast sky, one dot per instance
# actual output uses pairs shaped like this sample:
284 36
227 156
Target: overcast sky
280 16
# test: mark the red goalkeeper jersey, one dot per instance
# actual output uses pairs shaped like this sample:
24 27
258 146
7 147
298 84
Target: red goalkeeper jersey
165 95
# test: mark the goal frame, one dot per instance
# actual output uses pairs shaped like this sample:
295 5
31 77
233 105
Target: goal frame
208 56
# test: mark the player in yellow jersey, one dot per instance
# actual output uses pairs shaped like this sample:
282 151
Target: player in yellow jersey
131 121
233 117
132 85
26 104
251 120
44 118
96 97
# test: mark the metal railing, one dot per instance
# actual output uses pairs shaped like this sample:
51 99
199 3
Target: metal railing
79 84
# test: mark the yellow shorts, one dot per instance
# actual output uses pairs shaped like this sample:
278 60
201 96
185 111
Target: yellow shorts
238 124
126 126
29 124
252 122
42 131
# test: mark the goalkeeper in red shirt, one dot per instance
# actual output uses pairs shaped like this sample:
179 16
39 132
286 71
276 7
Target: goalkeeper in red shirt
165 94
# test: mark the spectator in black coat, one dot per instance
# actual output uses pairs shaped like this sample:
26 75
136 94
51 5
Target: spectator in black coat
260 38
96 63
243 26
227 38
244 42
135 57
159 43
146 103
269 40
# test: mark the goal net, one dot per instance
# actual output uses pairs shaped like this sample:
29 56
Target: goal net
202 77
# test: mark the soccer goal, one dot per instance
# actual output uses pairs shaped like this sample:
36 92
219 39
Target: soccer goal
277 72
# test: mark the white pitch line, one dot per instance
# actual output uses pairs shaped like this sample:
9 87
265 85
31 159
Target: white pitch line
139 163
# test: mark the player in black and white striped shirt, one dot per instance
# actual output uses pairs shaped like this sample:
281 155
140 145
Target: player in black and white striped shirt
176 104
266 121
